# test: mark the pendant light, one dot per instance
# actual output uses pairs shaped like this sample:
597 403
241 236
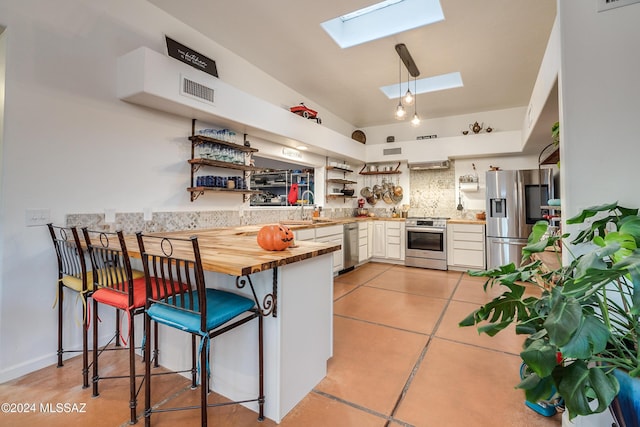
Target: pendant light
400 111
408 97
415 121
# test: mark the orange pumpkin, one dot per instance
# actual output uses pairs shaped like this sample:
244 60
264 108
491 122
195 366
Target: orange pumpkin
276 237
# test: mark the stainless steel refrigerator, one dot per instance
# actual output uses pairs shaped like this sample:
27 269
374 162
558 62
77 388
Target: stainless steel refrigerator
515 202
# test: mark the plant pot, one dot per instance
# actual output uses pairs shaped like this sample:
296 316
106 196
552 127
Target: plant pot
626 406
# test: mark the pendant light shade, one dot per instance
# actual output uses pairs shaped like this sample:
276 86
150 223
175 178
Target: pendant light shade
408 97
400 112
415 121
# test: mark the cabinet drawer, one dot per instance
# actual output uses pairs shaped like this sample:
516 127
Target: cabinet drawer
329 231
467 228
468 258
471 237
472 246
362 226
305 234
393 240
362 240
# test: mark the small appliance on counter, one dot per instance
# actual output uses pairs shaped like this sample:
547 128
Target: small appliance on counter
362 211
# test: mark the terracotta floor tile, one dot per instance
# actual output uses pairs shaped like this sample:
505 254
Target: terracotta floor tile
340 289
398 309
464 380
471 289
462 385
506 340
437 284
363 274
316 410
371 363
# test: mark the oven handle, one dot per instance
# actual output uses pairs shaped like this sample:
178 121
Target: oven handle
426 229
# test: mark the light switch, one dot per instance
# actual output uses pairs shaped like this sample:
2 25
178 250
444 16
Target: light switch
34 217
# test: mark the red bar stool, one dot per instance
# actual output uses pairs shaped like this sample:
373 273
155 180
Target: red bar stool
174 263
72 276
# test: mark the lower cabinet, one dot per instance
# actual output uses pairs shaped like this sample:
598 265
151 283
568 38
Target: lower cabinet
379 240
466 243
388 240
363 242
332 234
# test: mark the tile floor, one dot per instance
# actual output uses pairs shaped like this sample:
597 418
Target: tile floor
400 359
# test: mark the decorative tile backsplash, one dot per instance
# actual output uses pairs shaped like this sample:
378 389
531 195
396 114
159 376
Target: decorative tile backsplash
433 193
131 222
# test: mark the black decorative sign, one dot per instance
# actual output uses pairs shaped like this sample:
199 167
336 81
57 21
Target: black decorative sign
191 57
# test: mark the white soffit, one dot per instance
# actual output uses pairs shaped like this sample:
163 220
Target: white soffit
392 17
428 84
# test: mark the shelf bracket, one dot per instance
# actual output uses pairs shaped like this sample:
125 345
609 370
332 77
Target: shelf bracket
196 194
269 306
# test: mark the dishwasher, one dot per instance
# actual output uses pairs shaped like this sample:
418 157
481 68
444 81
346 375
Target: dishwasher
350 246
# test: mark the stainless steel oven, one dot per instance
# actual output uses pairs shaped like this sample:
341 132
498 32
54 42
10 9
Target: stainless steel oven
426 242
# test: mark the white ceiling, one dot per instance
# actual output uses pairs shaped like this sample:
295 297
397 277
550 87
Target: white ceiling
497 45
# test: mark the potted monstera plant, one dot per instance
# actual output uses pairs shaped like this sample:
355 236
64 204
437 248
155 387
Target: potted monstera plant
582 331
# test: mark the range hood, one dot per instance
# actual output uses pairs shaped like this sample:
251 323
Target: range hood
440 164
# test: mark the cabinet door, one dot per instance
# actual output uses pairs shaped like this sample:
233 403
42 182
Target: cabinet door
394 240
363 242
379 240
369 239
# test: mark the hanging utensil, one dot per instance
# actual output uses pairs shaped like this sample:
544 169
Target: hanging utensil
460 207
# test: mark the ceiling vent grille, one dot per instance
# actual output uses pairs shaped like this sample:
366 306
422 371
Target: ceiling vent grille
391 151
196 90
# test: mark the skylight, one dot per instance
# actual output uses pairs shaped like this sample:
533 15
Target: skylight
429 84
381 20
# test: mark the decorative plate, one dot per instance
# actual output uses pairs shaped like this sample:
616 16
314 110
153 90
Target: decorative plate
359 136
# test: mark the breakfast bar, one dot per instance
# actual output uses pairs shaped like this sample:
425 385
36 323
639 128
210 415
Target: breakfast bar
295 288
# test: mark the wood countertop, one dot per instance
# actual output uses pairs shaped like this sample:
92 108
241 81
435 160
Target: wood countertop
233 252
467 221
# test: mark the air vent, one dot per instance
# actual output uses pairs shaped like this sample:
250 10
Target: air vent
196 90
391 151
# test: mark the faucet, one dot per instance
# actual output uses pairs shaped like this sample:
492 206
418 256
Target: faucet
310 193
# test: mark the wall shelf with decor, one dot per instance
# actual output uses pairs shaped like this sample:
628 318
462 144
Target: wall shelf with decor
374 169
333 192
215 152
468 183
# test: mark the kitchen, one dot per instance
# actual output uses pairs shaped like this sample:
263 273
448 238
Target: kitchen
58 125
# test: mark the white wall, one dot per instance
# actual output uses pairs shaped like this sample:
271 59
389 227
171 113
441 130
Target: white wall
70 145
499 120
599 98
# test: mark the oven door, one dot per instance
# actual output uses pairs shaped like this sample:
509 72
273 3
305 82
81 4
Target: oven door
426 242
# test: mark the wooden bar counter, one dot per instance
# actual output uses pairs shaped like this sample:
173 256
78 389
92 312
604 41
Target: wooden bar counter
295 287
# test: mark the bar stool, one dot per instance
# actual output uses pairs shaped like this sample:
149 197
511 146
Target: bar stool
176 262
117 285
72 275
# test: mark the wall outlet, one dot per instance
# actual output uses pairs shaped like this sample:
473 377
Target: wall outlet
148 214
34 217
604 5
109 215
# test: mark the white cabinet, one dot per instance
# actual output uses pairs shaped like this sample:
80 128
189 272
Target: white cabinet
395 239
379 240
305 234
332 234
388 241
369 239
363 242
466 246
